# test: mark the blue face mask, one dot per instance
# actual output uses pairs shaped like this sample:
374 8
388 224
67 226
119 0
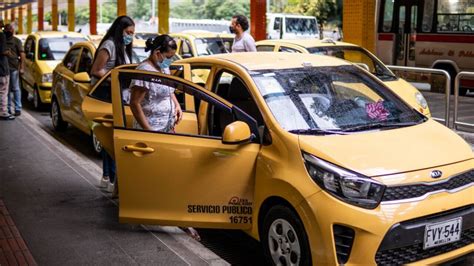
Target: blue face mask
127 39
166 63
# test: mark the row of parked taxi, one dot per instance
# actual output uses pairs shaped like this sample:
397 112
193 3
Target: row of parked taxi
324 159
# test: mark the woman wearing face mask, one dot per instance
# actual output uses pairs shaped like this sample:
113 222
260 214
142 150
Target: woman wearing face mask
115 49
154 106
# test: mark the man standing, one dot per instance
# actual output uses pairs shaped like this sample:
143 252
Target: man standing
4 79
243 42
16 57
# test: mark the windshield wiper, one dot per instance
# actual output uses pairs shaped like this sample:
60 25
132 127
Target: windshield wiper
379 126
317 131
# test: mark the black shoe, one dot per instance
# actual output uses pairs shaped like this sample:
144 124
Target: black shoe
8 117
17 113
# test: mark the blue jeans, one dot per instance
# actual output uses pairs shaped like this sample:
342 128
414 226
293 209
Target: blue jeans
108 166
14 91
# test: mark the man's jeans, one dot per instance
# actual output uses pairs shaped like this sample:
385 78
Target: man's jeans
4 95
15 91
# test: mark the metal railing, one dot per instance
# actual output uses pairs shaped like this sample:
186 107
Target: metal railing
457 84
447 85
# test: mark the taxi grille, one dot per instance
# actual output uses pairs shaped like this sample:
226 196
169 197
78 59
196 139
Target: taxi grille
418 190
416 252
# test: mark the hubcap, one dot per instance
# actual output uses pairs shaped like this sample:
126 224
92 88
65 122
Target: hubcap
283 243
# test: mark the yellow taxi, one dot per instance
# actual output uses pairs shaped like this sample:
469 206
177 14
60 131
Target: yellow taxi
201 43
354 54
71 83
309 154
44 51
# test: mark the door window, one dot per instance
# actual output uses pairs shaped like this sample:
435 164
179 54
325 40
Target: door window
186 51
387 16
265 48
70 61
287 50
30 47
85 63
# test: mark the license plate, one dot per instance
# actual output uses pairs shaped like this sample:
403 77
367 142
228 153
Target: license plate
442 233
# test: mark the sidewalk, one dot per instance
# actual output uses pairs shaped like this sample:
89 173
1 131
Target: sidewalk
64 218
13 250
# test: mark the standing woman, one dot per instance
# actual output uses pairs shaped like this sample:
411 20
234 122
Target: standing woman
154 106
115 49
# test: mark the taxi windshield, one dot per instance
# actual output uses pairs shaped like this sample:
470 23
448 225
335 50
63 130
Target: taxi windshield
210 46
139 54
356 55
334 99
56 48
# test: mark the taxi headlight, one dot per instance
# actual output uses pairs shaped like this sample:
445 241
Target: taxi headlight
347 186
47 78
421 100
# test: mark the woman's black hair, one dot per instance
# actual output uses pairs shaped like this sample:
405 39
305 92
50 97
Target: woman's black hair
163 43
115 33
242 21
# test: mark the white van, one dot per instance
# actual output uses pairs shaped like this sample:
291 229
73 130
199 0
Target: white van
285 26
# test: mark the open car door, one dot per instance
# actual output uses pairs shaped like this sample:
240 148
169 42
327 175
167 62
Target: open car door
180 178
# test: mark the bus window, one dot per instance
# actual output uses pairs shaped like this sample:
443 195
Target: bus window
387 16
452 16
428 11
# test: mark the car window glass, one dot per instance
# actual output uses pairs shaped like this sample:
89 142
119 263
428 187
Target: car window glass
30 46
234 90
186 51
219 115
265 48
55 48
287 50
102 90
277 24
86 61
70 61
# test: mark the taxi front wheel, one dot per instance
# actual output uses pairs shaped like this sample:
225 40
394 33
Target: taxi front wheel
284 238
56 118
38 104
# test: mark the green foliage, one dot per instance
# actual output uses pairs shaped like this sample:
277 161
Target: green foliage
109 13
211 9
139 9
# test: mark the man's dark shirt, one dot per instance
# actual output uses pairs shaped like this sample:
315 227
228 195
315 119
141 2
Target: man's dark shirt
15 47
3 58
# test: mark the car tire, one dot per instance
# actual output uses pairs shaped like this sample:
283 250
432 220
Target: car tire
284 239
56 118
96 143
37 100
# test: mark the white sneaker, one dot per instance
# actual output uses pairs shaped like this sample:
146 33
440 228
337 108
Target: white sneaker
110 187
104 181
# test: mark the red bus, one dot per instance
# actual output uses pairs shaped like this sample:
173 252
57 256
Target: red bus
428 33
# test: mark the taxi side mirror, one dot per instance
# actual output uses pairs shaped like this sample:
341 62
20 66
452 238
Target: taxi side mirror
82 77
237 132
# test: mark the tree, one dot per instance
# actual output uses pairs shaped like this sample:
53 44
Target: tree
211 9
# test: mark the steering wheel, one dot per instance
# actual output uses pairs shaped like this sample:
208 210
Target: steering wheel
320 103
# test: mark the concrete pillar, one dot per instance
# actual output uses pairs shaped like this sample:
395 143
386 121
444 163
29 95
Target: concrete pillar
29 19
20 20
121 7
163 16
258 19
6 18
71 22
40 15
12 15
54 14
359 23
93 16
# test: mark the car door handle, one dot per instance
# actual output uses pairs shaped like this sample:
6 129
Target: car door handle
106 121
133 148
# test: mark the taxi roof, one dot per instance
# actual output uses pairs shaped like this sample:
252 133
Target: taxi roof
203 34
270 60
307 43
52 34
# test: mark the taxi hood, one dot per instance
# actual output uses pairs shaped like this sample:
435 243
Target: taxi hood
47 66
392 151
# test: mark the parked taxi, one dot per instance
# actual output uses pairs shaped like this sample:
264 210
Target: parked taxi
71 83
311 155
44 51
201 43
354 54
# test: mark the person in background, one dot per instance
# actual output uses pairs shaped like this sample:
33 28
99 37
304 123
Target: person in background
4 78
243 41
16 57
115 49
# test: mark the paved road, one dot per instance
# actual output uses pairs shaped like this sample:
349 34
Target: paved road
50 188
